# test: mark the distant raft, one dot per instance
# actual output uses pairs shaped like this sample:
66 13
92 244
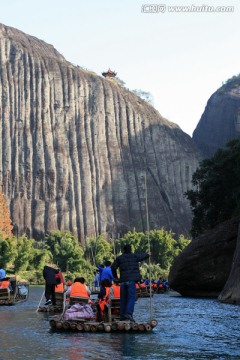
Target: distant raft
14 293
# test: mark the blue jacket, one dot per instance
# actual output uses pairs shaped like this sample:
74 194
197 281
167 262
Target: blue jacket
107 274
2 274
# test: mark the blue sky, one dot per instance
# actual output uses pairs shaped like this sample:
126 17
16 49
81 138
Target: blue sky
181 58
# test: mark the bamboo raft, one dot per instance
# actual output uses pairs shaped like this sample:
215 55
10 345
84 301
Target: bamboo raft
58 308
111 321
19 293
51 309
59 324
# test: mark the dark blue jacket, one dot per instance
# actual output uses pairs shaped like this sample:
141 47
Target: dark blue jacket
49 275
128 266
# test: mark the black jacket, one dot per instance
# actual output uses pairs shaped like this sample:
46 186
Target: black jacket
49 275
128 266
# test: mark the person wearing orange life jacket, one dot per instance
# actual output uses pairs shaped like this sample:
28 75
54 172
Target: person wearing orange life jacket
142 285
115 291
5 284
103 298
59 287
78 288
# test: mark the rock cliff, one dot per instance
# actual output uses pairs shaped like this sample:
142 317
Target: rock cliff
231 290
220 121
75 147
204 266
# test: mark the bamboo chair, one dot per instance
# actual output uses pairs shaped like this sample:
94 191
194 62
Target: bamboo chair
78 299
5 294
114 309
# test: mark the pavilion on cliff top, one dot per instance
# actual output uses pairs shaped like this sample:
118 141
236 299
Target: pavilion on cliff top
109 73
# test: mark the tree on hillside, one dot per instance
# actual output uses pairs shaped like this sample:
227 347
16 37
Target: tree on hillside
98 250
8 250
145 95
25 252
164 248
216 196
66 251
5 221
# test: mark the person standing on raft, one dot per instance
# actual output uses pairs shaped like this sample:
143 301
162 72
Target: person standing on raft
128 264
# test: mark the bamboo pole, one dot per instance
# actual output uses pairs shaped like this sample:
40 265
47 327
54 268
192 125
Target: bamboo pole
141 327
114 326
40 300
149 249
154 323
93 328
107 328
127 326
79 326
148 327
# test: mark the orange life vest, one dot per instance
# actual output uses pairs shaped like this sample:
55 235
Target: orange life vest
116 291
79 289
5 284
59 288
105 300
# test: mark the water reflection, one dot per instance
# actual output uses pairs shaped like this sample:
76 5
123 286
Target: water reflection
187 329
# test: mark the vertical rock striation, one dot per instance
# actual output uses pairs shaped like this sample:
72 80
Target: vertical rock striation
75 148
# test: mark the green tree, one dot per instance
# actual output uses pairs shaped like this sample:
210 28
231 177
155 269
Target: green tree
103 250
162 247
131 237
40 258
8 250
66 251
216 196
25 252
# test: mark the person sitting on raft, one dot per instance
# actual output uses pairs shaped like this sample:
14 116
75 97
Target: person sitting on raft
79 289
103 299
2 272
59 287
6 284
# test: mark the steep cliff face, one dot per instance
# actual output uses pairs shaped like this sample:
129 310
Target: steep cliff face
75 147
231 290
220 121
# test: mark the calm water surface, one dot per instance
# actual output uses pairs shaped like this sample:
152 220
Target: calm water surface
187 329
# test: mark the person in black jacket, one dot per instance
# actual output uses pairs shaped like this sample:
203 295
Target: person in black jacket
49 275
129 275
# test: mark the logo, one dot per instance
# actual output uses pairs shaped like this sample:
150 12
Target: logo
153 8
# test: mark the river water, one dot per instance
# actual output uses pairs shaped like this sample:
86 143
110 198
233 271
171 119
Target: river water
187 329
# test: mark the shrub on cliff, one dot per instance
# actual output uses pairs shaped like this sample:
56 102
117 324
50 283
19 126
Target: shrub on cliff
216 196
5 221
